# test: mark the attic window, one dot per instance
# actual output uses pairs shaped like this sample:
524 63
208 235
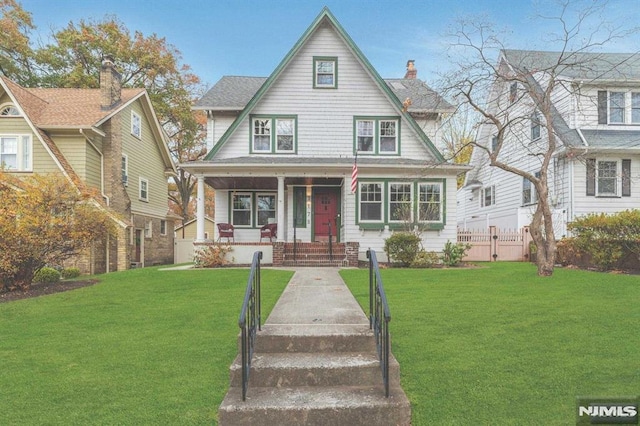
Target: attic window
9 111
325 72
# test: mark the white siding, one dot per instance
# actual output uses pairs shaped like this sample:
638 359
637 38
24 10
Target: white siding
325 116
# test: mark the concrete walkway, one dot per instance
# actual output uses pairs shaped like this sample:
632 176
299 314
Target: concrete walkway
317 296
315 363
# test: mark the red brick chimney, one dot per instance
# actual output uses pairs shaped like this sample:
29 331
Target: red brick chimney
412 72
110 84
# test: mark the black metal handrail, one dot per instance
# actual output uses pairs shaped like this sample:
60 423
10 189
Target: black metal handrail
249 320
379 317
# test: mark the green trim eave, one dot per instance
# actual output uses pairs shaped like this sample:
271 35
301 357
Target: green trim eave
325 14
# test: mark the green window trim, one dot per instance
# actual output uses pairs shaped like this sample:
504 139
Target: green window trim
276 130
254 209
300 206
325 68
415 204
382 130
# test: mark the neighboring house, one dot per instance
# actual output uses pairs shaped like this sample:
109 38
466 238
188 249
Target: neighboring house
188 230
596 167
108 139
283 149
185 236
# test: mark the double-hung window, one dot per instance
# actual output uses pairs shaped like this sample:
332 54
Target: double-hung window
241 209
635 108
251 209
15 152
325 72
488 196
430 202
396 204
266 208
136 125
143 189
618 107
377 135
371 198
608 177
400 202
273 135
535 126
125 170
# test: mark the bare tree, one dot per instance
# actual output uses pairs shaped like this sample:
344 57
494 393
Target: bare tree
516 95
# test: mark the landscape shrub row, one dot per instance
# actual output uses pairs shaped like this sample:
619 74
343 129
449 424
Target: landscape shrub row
603 241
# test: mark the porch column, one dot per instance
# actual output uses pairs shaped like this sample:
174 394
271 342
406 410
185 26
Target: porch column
200 210
281 216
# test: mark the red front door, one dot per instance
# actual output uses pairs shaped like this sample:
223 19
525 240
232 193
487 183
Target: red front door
325 201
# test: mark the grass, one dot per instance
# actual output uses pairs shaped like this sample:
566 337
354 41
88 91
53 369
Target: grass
492 345
499 345
142 347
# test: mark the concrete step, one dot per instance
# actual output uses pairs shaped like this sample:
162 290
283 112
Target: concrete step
315 406
315 338
314 369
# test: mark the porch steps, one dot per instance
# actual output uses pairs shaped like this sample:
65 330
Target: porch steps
315 375
315 363
315 254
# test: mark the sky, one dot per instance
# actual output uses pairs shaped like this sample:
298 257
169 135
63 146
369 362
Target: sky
250 38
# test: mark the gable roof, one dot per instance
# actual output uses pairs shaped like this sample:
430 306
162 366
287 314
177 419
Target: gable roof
67 108
233 93
586 66
325 16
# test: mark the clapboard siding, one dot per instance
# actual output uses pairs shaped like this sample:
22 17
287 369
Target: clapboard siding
145 161
324 116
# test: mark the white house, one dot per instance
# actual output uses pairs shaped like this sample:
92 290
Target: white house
596 167
283 150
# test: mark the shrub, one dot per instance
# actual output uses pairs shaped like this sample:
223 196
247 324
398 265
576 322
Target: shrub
212 256
426 259
402 247
453 254
68 273
46 275
605 238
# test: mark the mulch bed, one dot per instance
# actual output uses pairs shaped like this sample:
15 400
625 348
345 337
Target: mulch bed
41 289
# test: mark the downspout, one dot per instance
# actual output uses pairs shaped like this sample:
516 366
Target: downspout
102 193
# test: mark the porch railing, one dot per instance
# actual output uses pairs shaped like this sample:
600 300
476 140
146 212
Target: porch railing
379 317
249 320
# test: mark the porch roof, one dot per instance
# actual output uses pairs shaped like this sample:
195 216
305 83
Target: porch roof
317 166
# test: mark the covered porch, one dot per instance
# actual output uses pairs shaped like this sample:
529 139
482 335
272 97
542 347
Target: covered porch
306 202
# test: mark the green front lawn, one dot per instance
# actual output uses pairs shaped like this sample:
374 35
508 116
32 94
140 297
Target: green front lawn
492 345
142 347
498 345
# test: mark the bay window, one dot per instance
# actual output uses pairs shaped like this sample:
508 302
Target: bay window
266 208
241 209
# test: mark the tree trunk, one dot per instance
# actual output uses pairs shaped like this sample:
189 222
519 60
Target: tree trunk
544 238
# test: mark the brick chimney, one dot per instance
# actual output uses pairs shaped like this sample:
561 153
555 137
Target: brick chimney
412 72
110 84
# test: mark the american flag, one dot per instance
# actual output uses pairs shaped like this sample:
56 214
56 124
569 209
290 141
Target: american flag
354 175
